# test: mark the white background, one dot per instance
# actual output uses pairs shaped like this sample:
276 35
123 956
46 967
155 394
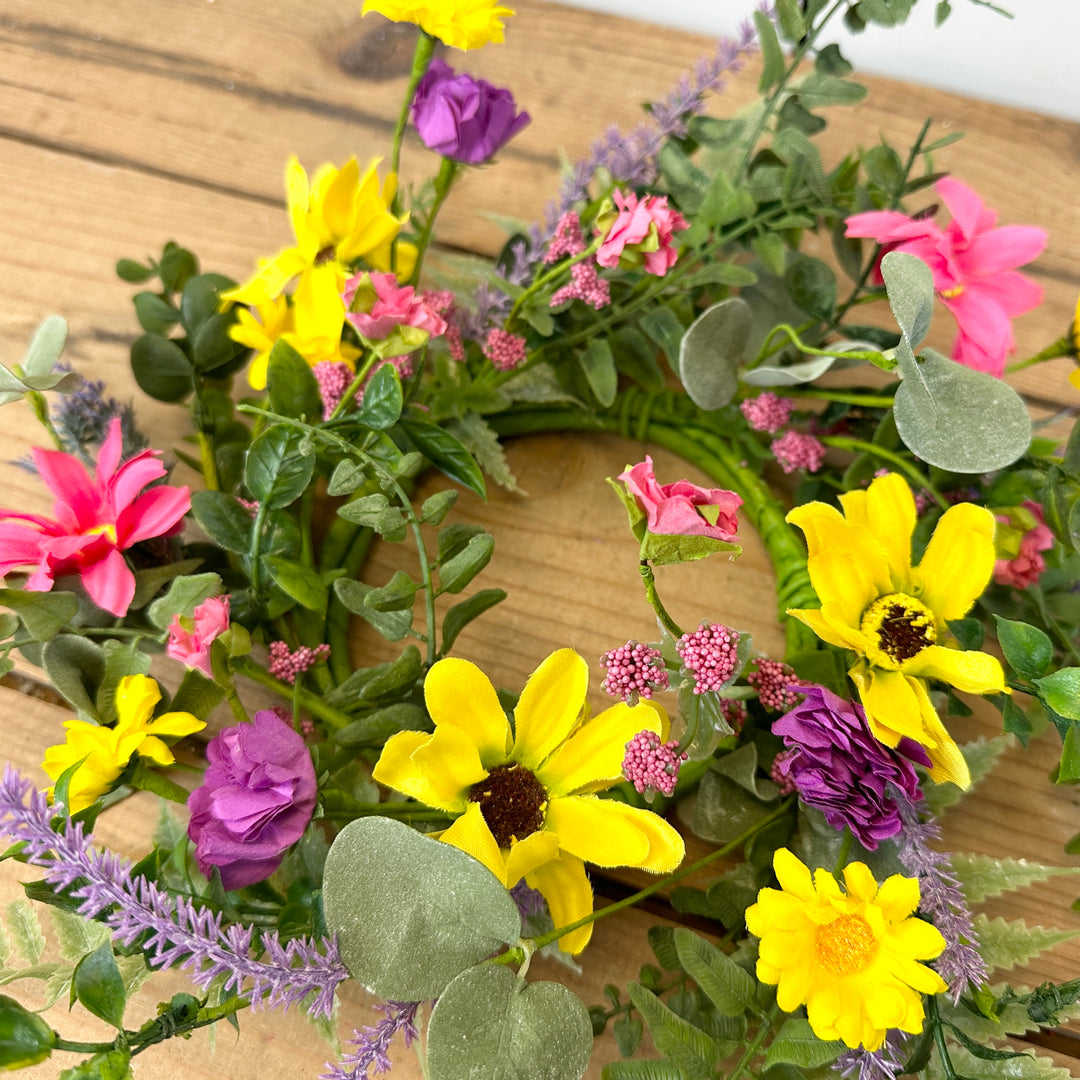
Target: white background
1031 61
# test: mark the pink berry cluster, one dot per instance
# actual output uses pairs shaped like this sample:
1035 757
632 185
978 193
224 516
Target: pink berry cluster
586 285
633 672
734 712
767 412
333 378
568 238
779 773
442 303
506 351
709 654
796 450
775 684
287 665
649 763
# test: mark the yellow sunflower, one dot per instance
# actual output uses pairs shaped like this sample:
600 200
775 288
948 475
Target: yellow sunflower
851 956
461 24
894 615
527 796
106 751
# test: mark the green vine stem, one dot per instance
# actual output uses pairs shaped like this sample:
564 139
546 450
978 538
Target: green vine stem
313 703
647 576
1062 347
425 50
444 181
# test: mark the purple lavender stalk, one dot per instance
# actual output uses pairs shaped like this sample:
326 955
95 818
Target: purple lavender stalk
373 1043
884 1063
173 931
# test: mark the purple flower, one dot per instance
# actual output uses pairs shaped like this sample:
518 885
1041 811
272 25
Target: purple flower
256 800
840 768
463 118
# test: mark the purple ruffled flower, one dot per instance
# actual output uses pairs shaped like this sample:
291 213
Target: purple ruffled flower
840 768
463 118
256 800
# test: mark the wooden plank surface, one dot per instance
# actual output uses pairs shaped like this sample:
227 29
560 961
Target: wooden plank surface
124 123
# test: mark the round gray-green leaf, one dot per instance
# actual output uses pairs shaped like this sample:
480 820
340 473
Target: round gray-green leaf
910 286
411 912
961 420
710 352
490 1025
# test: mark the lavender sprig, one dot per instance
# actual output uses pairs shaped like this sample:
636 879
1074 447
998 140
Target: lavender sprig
884 1063
373 1043
943 901
173 931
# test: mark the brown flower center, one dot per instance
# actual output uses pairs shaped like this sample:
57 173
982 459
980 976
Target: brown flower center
900 625
326 255
846 945
512 801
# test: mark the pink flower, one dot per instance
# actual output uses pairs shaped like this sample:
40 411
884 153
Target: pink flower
378 306
796 450
672 509
1027 565
97 518
192 647
640 232
974 268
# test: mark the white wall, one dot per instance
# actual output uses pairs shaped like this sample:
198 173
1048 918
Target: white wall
1029 61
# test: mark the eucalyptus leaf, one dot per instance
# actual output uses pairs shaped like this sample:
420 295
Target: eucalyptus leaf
488 1024
910 287
790 374
411 913
46 346
710 351
598 364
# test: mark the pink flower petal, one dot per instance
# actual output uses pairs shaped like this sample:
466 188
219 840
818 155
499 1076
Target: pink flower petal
965 206
144 468
110 583
1003 249
889 226
1014 293
156 513
109 454
64 475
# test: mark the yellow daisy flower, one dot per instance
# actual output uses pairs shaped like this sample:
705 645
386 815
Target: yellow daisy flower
461 24
851 956
527 796
337 219
893 614
262 334
108 750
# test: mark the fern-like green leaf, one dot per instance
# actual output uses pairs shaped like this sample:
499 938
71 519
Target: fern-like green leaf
1027 1067
134 972
642 1070
1013 1018
25 930
981 756
1005 944
982 876
75 935
476 435
695 1052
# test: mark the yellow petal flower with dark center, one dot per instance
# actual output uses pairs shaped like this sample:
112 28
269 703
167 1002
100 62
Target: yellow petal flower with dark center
895 615
526 797
461 24
106 751
851 956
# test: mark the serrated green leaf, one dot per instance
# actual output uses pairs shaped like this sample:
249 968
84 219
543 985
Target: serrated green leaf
792 21
1021 1068
1005 944
773 66
642 1070
25 930
695 1052
981 757
796 1044
111 1065
477 436
77 936
728 986
982 876
819 90
662 943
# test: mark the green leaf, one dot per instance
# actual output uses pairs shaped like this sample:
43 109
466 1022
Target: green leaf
197 695
457 572
177 266
910 287
796 1044
366 510
695 1052
75 666
134 273
184 596
789 374
347 477
45 347
792 21
812 286
1060 691
728 986
981 756
201 299
25 1038
1025 1067
969 633
375 728
436 507
410 912
393 625
942 12
291 384
301 582
490 1025
383 401
446 453
121 660
662 943
598 364
830 62
149 581
664 549
99 986
161 368
773 66
77 936
25 930
460 615
682 178
112 1065
44 614
379 684
1027 649
277 470
478 437
223 519
155 315
710 352
721 273
819 90
982 876
627 1031
642 1070
724 203
884 168
1005 944
665 328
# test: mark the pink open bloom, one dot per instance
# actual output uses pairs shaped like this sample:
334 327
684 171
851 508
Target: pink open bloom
97 518
383 306
192 647
639 233
1027 565
974 267
672 509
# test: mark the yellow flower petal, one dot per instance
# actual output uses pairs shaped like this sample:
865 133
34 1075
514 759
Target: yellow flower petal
450 763
589 828
566 889
860 882
958 563
667 849
819 523
793 874
459 694
471 834
155 750
892 709
175 724
136 696
591 759
396 769
526 855
848 580
973 672
549 707
898 896
833 630
919 939
890 516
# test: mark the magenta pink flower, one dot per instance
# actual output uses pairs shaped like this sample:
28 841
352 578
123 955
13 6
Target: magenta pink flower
192 646
673 509
378 307
974 267
1027 566
96 518
639 233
